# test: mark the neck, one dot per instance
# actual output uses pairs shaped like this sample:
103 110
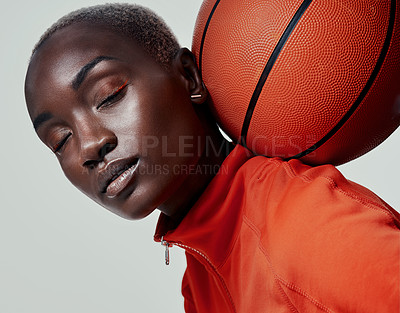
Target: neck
216 149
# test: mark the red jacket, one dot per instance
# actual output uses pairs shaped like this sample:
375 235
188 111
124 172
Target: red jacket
273 236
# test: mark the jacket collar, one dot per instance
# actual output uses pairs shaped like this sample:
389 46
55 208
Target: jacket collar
211 225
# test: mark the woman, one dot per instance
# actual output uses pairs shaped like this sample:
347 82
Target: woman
124 109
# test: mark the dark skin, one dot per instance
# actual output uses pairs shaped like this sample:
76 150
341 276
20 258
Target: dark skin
112 128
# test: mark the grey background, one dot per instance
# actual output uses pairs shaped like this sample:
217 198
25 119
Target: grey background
59 251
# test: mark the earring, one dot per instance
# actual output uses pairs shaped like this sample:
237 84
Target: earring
198 95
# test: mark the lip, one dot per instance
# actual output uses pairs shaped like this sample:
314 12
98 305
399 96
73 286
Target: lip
116 176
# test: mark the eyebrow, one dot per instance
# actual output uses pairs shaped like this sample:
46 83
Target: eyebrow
41 118
84 71
76 83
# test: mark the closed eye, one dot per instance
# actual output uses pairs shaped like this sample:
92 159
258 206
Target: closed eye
57 147
111 98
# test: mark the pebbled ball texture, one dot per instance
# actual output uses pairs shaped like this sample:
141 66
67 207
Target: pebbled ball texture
332 92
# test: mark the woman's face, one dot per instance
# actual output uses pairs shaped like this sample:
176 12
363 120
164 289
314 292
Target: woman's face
122 127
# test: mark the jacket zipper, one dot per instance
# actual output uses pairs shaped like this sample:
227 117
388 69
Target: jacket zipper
167 246
185 247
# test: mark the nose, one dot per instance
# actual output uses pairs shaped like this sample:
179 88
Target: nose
96 146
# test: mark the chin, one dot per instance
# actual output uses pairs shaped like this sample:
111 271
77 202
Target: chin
132 213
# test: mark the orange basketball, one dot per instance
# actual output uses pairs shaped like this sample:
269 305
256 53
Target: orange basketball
315 80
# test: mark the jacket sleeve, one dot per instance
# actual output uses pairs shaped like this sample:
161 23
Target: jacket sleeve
334 244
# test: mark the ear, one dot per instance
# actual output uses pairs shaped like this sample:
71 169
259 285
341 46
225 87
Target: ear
186 65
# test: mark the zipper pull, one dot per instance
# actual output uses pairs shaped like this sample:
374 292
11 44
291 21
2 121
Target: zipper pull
167 246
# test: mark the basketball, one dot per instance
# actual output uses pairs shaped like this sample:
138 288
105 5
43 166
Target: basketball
313 80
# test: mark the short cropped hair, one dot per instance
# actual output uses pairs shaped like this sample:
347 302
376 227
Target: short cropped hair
137 22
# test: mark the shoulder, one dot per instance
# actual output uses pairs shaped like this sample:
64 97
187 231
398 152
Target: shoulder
299 183
328 239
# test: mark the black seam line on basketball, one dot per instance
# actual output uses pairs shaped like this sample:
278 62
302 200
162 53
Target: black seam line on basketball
360 98
203 38
268 67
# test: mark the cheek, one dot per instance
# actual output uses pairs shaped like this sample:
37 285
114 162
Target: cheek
77 175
